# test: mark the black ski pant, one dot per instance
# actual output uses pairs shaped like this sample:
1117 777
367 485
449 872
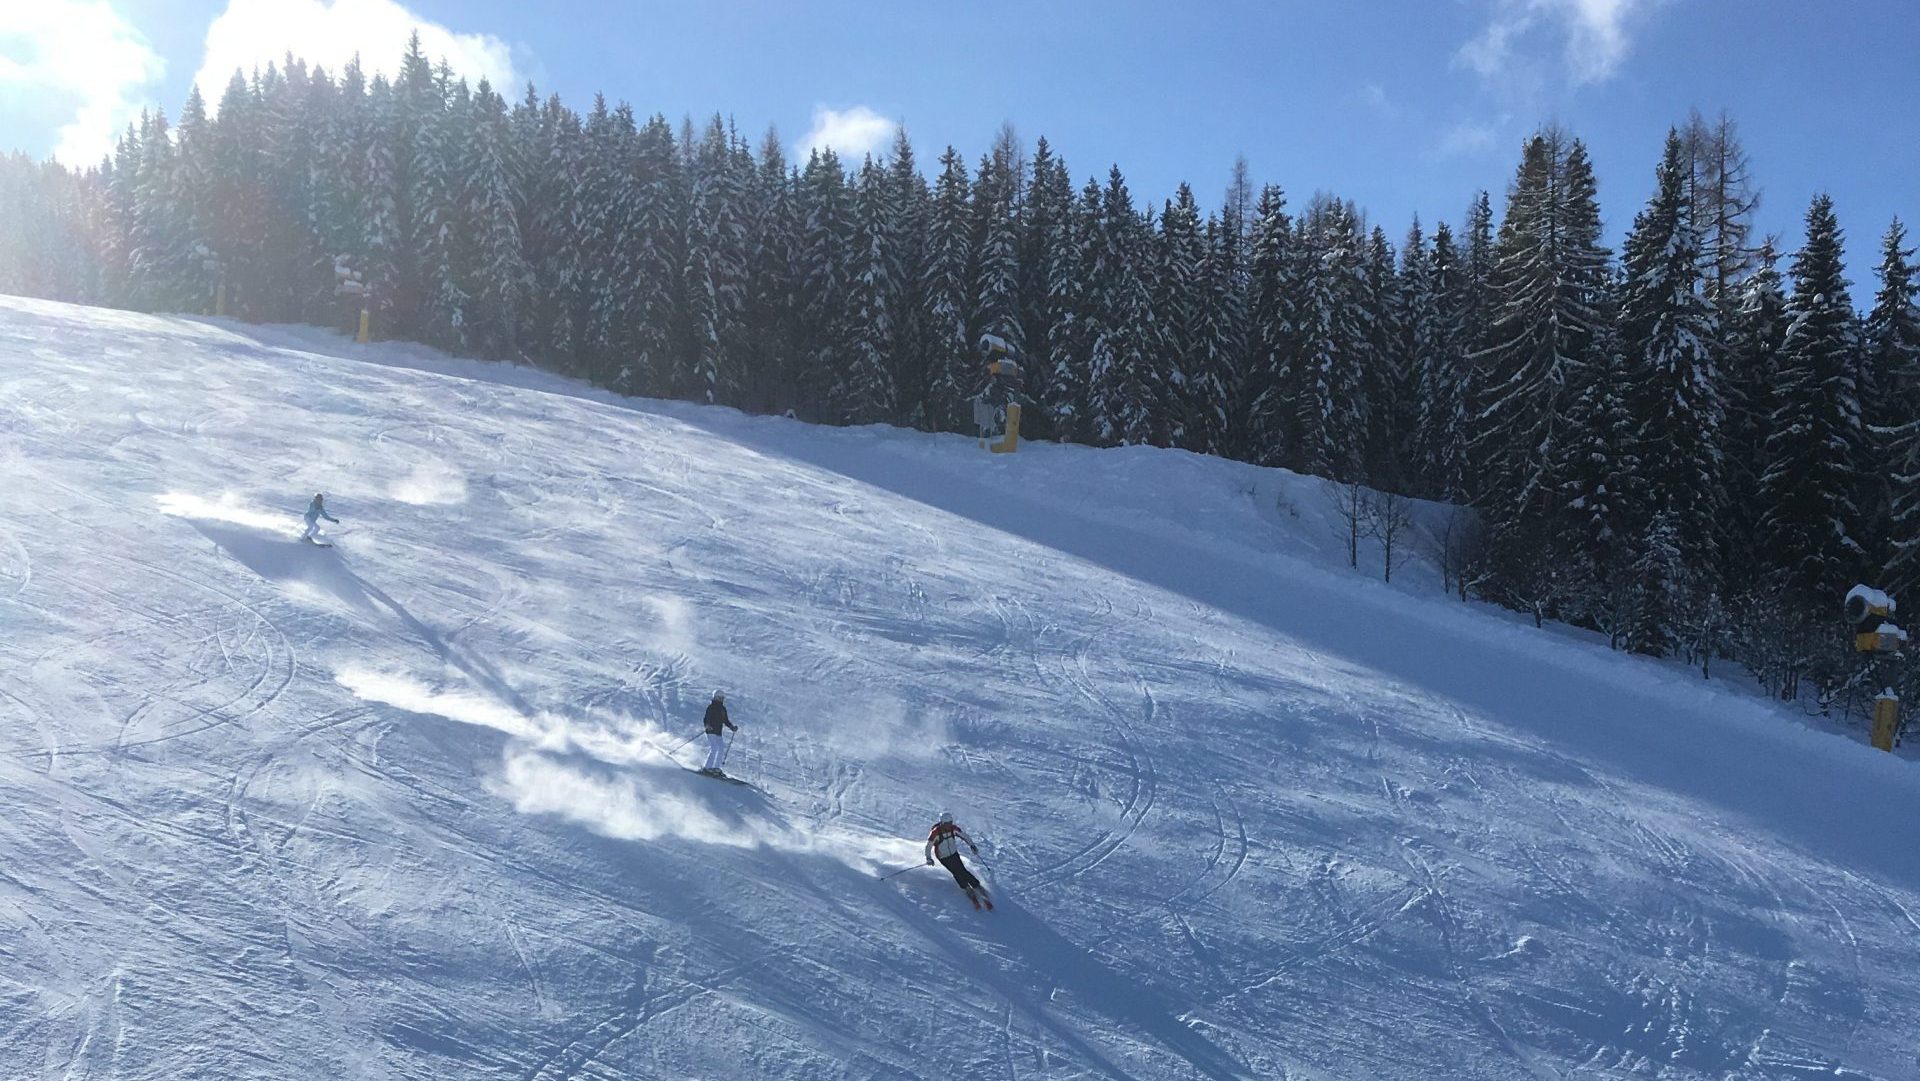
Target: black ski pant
960 873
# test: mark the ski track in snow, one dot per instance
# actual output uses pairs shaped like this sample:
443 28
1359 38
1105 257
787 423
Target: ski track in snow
417 806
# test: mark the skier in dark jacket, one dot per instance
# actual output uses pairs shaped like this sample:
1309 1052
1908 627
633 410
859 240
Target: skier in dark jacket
717 719
944 841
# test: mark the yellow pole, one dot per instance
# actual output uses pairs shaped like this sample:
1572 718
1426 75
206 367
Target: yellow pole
1012 441
366 325
1886 718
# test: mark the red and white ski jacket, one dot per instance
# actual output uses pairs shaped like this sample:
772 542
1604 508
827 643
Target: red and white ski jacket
945 840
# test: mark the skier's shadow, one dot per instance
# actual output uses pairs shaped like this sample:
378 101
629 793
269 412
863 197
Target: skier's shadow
1038 962
279 560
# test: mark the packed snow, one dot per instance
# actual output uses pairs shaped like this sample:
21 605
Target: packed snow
421 805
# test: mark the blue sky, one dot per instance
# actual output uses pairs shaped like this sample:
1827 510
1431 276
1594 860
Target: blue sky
1402 105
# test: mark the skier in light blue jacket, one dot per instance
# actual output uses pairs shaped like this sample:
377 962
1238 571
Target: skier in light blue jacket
317 510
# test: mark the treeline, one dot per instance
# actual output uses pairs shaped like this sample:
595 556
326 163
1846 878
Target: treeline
1688 447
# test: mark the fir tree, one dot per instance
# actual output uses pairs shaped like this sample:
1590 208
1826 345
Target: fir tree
1125 378
1046 258
1811 484
1671 335
495 274
823 275
907 202
1548 273
864 392
995 275
1266 432
1893 347
945 297
1755 339
773 238
716 266
1328 386
1180 310
1385 374
1444 388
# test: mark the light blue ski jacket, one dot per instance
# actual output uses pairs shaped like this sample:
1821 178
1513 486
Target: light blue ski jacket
315 512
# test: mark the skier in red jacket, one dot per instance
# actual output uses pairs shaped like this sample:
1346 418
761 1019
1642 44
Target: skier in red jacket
944 841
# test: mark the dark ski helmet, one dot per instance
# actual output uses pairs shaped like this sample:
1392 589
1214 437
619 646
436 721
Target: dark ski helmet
946 817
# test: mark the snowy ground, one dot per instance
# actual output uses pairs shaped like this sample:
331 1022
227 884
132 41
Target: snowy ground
405 808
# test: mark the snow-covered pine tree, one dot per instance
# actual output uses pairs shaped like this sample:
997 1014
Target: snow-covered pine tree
1548 275
193 189
944 292
864 390
1179 306
1215 377
554 232
610 235
1327 391
427 302
995 275
1671 335
1663 587
1602 496
1070 339
715 274
656 363
1264 423
1443 389
1418 322
1893 348
907 199
297 283
1230 348
1810 488
377 195
1478 303
824 276
1754 340
773 239
495 274
156 252
1385 371
1126 378
1046 255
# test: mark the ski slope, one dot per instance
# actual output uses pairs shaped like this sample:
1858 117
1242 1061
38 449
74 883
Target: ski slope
412 807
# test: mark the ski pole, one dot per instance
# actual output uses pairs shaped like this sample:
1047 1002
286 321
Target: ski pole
675 749
903 870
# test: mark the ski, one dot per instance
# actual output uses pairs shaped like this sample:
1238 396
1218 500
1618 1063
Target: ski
718 776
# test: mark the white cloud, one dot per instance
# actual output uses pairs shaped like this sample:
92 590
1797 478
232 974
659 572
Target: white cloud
851 134
254 33
1375 97
1466 139
1595 33
76 66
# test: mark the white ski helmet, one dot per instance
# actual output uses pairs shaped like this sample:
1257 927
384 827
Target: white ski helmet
946 817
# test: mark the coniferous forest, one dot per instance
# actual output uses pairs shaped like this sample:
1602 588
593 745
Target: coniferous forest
1694 445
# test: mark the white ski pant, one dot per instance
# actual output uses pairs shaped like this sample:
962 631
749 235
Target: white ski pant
716 750
313 528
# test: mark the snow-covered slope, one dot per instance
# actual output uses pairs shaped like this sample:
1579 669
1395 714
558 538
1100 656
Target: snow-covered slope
412 807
